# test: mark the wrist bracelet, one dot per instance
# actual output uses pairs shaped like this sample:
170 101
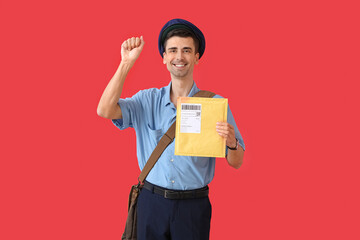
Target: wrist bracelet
236 147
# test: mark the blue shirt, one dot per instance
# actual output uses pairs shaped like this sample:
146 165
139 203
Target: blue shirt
150 112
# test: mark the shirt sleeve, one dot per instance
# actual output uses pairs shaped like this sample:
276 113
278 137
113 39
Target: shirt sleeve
131 109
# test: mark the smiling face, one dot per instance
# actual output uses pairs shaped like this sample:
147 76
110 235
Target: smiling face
180 57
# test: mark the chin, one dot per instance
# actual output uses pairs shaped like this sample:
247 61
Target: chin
179 75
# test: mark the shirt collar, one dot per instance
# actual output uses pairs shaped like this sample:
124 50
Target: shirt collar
194 89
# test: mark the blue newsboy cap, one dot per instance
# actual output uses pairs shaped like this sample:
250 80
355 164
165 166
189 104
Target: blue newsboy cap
178 23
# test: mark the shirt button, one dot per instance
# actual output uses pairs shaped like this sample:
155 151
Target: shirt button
171 160
172 181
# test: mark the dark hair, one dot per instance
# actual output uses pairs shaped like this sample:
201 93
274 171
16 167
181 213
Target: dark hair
182 33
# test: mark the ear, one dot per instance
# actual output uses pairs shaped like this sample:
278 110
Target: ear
164 61
197 56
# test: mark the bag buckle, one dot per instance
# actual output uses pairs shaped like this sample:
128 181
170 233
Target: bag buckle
140 184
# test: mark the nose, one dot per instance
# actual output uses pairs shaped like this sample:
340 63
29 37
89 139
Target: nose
179 55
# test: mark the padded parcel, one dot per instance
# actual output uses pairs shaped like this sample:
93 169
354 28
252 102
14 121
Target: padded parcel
207 142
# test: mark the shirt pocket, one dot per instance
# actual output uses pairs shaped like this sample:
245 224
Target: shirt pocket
155 134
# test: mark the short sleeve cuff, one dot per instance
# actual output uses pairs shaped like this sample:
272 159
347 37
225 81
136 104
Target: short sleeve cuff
123 122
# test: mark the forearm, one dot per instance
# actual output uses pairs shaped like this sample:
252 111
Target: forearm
112 92
235 157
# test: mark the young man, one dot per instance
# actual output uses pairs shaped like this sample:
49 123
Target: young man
151 112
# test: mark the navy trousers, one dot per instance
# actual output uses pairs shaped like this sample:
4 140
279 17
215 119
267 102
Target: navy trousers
164 219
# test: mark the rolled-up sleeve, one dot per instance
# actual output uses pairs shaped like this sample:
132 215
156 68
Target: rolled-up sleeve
130 109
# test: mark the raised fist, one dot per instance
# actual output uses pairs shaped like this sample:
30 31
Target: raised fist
131 49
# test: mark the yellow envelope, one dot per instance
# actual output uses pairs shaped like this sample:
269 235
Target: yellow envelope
196 133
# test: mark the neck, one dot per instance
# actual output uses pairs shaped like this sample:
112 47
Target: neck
180 88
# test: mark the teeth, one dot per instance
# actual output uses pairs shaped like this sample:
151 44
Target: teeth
179 65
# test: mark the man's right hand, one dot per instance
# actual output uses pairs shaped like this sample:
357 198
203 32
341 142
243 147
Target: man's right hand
131 49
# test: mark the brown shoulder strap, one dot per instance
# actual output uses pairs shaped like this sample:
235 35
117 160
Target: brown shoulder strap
165 140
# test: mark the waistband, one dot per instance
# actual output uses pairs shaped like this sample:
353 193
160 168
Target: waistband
177 194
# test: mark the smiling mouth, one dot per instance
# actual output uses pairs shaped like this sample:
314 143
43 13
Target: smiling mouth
179 65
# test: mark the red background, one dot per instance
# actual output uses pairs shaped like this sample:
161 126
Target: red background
289 69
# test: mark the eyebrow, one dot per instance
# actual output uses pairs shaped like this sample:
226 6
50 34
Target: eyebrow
174 48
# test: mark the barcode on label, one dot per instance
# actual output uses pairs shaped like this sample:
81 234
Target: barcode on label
190 107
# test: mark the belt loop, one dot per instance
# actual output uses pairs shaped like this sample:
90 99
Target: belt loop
152 188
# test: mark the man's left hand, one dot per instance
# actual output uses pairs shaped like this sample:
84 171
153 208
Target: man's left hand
227 131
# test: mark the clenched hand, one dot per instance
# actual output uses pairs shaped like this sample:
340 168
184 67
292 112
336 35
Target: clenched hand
131 49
